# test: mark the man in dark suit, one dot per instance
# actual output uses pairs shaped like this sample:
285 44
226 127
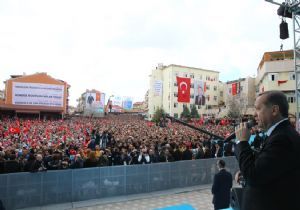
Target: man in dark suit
221 187
200 98
272 175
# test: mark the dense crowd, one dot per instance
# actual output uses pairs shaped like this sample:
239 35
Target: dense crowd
37 145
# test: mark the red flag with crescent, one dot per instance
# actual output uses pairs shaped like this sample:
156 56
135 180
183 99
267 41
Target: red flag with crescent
184 85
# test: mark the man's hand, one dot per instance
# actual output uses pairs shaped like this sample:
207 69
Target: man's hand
242 133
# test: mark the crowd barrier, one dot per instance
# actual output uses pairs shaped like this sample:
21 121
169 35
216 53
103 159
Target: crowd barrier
21 190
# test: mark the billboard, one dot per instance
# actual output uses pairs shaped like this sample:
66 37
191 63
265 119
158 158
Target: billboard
199 89
93 102
127 103
102 102
37 94
158 85
117 101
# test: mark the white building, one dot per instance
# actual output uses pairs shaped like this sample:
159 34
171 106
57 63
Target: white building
276 72
163 89
242 89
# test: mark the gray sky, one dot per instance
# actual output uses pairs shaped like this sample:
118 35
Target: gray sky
113 45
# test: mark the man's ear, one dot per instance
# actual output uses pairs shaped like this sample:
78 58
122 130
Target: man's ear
275 110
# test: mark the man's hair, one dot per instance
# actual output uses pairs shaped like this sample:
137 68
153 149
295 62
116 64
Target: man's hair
221 163
275 97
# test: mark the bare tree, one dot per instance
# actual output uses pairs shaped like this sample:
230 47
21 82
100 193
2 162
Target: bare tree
237 106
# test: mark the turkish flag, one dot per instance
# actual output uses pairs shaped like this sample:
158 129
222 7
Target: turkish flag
281 82
184 85
234 89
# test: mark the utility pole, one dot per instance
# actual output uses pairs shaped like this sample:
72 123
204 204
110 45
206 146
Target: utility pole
292 7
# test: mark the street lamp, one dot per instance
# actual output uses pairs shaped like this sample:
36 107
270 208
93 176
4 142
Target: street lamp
109 104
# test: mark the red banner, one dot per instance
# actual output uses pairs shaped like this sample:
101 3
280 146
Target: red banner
184 85
281 82
234 89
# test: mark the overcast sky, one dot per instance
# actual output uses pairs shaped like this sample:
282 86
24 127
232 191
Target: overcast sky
112 46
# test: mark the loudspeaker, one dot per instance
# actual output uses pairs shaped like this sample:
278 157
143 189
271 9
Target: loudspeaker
284 31
236 197
284 11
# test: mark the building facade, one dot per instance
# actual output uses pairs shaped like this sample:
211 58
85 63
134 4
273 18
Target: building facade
163 92
276 72
243 90
37 94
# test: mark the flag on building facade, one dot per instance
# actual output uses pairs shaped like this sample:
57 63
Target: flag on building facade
234 89
281 82
184 85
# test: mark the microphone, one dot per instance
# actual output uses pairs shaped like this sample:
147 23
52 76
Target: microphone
249 124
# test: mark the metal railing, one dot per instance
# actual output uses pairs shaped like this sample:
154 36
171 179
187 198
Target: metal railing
21 190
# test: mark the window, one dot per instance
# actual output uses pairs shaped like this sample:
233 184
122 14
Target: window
175 105
292 76
175 115
273 77
199 107
291 99
215 88
241 88
191 106
207 87
175 94
215 98
175 84
186 75
192 85
221 93
192 76
191 96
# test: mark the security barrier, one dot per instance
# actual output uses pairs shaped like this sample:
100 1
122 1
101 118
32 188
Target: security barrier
21 190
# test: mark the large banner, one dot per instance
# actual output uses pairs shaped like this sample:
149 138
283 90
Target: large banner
184 85
102 102
37 94
93 102
158 86
117 101
235 88
127 103
199 89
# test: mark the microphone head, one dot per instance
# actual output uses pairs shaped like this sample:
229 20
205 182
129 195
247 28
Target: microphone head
251 123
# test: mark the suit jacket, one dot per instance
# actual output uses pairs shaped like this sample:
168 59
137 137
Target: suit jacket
221 189
273 175
200 100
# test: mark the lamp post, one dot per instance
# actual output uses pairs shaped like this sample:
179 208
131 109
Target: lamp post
290 9
109 105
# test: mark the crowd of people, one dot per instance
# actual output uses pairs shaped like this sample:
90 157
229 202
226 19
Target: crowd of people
39 145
